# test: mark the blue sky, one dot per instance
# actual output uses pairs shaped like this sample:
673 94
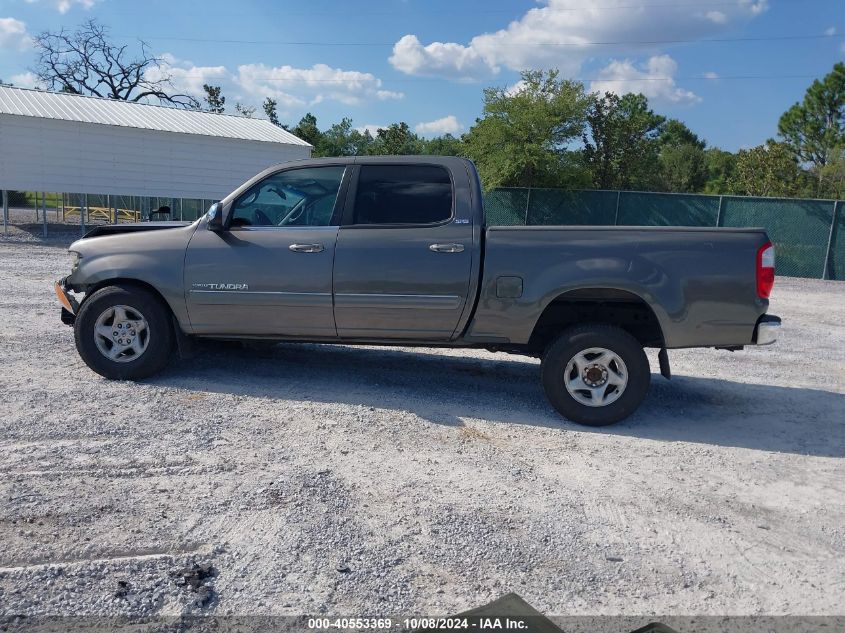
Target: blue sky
426 62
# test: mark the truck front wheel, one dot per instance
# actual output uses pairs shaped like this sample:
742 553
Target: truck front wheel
595 374
124 333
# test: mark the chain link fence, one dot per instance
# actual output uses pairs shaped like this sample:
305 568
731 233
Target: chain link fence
104 209
63 213
809 235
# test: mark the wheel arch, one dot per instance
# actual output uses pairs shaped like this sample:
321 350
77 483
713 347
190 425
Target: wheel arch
130 282
598 305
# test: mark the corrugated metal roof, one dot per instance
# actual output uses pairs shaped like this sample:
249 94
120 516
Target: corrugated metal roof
70 107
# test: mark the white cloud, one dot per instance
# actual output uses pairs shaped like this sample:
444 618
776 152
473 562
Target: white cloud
313 85
756 7
446 125
563 33
25 80
656 80
711 75
372 128
716 17
830 32
63 6
438 58
290 87
13 34
515 89
188 78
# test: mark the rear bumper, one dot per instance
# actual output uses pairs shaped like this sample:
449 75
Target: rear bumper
766 332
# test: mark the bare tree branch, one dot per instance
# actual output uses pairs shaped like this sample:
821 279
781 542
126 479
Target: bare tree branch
87 62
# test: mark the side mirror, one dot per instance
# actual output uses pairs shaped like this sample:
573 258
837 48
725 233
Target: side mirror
214 218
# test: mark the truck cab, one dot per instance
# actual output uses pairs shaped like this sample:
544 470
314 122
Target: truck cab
381 248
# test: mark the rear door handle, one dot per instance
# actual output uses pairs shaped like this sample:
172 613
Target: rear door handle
307 248
447 248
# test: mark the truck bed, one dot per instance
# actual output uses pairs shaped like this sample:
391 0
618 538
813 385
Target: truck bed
699 281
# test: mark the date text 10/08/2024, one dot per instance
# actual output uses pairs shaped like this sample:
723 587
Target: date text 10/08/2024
413 624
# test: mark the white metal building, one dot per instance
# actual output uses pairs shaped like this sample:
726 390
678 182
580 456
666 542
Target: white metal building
60 142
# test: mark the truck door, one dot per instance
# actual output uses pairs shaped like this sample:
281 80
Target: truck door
270 271
403 262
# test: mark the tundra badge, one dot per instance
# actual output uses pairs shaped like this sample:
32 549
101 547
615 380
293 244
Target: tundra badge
220 286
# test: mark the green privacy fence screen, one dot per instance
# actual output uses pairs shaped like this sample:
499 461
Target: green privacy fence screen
809 235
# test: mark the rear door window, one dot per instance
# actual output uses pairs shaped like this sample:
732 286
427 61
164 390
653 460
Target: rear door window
402 194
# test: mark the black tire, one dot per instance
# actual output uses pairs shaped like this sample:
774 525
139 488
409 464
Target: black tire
574 341
159 345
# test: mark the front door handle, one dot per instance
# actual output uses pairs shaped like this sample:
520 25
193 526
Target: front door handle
307 248
447 248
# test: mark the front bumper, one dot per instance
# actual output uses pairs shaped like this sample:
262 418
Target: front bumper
766 332
70 306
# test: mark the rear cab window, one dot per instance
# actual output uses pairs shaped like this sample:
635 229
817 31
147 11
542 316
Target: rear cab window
402 194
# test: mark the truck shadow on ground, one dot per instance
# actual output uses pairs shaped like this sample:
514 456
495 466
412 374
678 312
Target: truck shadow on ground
445 389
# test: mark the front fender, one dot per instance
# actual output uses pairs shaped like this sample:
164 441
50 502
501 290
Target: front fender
154 258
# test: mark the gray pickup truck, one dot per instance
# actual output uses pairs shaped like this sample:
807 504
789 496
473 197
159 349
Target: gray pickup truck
396 251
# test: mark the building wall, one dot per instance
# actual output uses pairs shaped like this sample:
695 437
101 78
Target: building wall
39 154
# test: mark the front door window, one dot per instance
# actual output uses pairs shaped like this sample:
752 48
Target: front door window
296 197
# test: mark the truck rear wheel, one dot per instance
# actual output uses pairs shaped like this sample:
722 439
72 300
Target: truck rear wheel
595 374
124 333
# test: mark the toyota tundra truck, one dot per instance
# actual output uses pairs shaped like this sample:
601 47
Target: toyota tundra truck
396 251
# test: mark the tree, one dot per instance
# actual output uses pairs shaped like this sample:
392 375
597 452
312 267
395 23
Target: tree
523 135
683 166
622 147
307 130
244 111
86 62
446 145
215 101
269 106
813 128
341 139
396 139
832 175
720 166
674 133
767 170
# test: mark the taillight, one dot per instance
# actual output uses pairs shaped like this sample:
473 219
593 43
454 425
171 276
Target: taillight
765 270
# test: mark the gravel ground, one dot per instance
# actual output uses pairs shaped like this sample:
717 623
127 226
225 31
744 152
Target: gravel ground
340 480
